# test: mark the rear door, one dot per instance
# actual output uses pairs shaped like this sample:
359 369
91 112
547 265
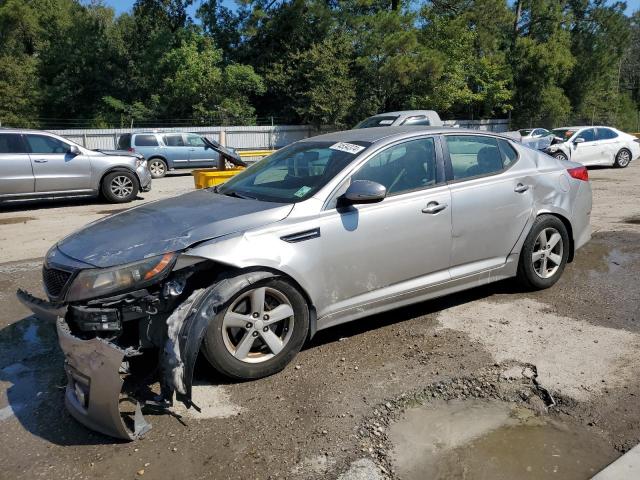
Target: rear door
491 201
175 150
200 155
16 173
610 144
54 168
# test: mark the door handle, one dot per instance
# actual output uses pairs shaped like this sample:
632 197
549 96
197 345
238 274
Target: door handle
41 160
520 188
434 207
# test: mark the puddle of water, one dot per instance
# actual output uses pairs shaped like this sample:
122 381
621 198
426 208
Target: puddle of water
478 440
12 220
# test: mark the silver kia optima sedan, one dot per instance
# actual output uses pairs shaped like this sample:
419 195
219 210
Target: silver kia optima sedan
325 231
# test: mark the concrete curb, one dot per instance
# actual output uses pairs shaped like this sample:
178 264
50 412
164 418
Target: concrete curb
627 466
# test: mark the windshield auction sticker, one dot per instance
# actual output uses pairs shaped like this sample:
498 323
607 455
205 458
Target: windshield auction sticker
347 147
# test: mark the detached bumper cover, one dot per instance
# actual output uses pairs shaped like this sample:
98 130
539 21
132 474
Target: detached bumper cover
92 395
93 390
144 175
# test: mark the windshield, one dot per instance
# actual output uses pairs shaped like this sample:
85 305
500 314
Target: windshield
564 133
377 122
294 173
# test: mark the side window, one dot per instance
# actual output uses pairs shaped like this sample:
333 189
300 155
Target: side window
11 143
173 140
509 155
472 155
146 141
420 120
403 167
46 144
606 134
194 140
589 134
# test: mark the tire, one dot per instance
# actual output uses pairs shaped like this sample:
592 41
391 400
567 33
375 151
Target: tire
534 257
235 342
560 156
158 167
623 158
120 187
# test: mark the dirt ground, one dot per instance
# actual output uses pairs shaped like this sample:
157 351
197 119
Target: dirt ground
329 414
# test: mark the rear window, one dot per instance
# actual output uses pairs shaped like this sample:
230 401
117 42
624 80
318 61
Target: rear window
377 122
420 120
11 143
146 141
124 142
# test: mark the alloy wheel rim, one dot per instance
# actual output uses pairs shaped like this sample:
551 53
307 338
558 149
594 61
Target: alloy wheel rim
121 186
623 158
258 325
547 253
157 168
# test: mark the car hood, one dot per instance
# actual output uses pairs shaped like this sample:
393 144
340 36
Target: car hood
167 225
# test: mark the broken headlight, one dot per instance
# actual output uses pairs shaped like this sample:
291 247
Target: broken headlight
98 282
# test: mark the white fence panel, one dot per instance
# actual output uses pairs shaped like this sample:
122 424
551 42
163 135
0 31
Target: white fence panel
242 137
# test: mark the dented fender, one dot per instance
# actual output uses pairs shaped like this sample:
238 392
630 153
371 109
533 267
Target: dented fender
186 331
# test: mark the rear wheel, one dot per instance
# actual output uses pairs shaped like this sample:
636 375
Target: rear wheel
157 167
623 158
544 253
120 187
261 329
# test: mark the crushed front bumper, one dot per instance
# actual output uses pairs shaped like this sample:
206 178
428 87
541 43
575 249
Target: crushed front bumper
94 385
93 389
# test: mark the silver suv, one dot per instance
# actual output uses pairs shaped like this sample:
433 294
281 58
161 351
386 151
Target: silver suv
40 164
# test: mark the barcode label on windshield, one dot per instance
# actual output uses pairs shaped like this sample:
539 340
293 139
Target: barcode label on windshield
347 147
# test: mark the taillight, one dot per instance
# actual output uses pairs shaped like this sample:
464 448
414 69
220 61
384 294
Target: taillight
131 149
581 173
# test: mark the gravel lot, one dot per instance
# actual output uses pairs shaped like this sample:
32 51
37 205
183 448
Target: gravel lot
329 414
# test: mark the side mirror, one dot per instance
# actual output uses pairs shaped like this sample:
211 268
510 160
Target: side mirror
363 191
579 140
74 150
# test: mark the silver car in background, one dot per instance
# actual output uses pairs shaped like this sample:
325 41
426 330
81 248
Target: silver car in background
594 146
427 118
35 164
325 231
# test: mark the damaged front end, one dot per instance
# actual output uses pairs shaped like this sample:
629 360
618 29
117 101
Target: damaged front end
130 350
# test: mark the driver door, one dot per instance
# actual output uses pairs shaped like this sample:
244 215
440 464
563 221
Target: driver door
393 249
54 168
588 152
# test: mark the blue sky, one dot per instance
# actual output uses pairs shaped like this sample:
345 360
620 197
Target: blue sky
125 5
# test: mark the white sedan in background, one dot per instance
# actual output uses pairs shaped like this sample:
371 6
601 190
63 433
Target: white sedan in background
536 138
594 146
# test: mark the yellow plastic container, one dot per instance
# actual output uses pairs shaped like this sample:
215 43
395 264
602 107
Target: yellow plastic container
208 177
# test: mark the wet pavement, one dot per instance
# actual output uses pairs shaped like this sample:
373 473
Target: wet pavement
492 440
315 421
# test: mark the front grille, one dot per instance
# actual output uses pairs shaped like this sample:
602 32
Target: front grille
55 280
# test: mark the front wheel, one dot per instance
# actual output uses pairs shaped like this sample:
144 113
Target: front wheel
544 253
560 156
261 329
120 187
623 158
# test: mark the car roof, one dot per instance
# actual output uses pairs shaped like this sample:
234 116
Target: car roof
376 134
403 112
579 127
